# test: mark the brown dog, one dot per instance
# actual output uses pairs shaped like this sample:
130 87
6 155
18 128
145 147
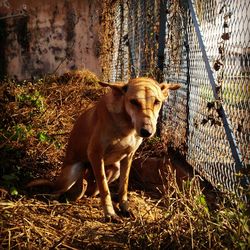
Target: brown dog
106 137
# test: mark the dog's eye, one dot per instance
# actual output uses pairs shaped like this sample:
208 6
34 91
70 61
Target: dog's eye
135 103
157 102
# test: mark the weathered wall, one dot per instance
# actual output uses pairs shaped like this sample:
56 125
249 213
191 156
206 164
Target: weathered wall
56 35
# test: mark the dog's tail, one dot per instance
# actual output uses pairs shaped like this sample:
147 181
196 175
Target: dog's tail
64 182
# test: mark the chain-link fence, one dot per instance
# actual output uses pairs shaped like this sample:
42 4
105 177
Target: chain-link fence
205 46
132 44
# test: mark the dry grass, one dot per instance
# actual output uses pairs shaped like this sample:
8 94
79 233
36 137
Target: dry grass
29 223
180 219
36 120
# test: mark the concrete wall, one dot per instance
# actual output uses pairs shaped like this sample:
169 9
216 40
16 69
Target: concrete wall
40 37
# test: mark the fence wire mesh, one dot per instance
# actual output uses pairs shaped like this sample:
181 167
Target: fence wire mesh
190 116
224 29
133 48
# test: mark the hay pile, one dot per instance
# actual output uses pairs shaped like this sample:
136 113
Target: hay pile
181 219
32 224
36 118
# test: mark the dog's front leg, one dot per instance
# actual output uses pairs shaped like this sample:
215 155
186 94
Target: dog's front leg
99 171
123 184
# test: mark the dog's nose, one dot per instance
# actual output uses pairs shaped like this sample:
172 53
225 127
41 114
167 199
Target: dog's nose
145 133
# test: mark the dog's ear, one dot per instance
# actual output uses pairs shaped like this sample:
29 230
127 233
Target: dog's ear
168 86
118 86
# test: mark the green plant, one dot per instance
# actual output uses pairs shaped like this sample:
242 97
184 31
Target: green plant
34 99
9 181
21 132
45 138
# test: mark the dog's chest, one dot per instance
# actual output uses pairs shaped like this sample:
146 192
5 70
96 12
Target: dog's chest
121 147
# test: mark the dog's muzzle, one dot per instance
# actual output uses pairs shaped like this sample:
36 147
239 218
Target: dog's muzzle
146 128
146 132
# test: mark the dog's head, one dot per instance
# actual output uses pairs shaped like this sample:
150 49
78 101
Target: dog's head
143 99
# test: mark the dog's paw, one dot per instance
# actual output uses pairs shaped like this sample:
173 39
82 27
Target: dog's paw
113 218
124 211
127 214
